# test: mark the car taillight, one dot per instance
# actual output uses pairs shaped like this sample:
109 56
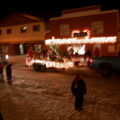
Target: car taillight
91 60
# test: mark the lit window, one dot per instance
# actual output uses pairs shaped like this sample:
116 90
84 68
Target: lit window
73 49
23 29
80 34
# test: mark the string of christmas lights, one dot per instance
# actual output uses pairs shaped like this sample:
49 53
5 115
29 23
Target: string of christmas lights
85 40
97 40
53 53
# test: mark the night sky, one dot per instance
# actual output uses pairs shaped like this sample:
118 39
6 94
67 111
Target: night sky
52 6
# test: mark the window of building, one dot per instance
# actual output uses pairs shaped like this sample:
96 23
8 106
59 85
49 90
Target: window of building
64 30
97 27
111 48
0 32
36 28
9 31
23 29
4 48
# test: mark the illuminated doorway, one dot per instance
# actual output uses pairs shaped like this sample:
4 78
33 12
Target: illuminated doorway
80 49
21 49
97 50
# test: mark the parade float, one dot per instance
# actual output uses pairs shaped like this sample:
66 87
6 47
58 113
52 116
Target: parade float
52 57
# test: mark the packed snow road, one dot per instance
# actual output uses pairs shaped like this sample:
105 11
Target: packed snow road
47 96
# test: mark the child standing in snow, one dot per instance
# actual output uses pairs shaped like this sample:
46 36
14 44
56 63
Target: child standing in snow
78 88
8 73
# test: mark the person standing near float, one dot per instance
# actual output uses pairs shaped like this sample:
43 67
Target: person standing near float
97 52
29 56
30 52
9 73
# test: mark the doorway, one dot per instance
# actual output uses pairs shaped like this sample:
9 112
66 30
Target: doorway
80 49
23 48
97 50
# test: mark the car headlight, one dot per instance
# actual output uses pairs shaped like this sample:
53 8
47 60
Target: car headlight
6 56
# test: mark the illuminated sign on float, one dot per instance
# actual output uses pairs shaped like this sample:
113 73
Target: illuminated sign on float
80 34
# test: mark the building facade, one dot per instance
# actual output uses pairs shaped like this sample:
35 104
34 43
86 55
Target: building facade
86 29
18 31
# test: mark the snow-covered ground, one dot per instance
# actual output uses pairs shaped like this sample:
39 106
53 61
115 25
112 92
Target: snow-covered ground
47 96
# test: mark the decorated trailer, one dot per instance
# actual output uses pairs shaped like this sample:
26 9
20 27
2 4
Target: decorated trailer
42 65
52 57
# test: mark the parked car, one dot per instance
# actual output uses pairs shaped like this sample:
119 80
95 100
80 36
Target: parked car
106 65
3 58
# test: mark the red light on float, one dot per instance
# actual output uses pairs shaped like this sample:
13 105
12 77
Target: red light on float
91 60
